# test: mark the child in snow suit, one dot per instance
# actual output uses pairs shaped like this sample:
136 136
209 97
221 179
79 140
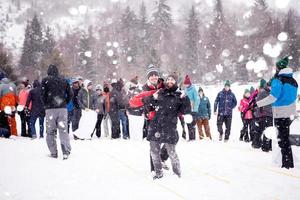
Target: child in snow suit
247 117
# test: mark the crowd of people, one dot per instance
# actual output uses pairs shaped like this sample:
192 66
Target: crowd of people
161 101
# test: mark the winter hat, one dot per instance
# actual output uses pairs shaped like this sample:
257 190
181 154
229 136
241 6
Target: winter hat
200 89
252 89
174 76
113 81
87 83
246 91
152 70
52 70
282 63
79 78
98 87
135 80
262 83
187 80
227 83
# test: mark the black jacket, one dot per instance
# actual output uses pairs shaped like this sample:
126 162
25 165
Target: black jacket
168 106
75 97
56 91
116 100
35 97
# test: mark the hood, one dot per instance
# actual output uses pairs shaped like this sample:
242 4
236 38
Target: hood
86 83
5 80
286 72
36 84
52 70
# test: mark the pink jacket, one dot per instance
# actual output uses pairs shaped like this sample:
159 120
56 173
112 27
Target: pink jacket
23 97
244 104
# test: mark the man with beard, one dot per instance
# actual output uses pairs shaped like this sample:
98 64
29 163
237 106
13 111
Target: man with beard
168 103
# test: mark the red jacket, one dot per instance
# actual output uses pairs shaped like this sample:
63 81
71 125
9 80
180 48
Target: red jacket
244 104
137 100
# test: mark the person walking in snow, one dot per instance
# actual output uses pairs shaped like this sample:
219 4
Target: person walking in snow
24 113
37 110
203 115
106 117
154 83
8 97
76 111
191 92
283 99
123 111
247 117
168 103
99 108
263 118
56 94
115 102
224 104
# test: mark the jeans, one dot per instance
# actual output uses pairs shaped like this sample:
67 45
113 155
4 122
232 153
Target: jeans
32 125
124 121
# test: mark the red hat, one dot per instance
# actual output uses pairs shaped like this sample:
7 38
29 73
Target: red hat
187 80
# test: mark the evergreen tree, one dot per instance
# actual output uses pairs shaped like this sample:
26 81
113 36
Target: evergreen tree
87 54
293 43
48 43
162 42
192 41
33 44
6 63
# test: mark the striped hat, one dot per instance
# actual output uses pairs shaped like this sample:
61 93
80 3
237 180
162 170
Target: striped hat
152 70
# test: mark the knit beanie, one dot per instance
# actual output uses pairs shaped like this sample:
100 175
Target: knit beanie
262 83
282 63
151 70
187 80
227 83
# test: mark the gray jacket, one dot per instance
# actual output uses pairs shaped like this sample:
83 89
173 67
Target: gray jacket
265 111
100 103
86 99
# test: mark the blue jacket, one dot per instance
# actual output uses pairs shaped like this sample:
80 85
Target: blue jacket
283 95
225 102
204 110
193 96
284 90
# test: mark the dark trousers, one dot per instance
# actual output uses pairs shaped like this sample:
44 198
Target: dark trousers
98 125
145 128
124 121
283 126
75 118
25 121
32 125
192 128
4 132
115 124
227 120
163 156
182 125
247 130
259 126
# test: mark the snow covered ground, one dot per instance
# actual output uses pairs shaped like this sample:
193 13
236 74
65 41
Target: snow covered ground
119 169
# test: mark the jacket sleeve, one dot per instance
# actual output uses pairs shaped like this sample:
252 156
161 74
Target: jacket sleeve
69 93
234 103
216 102
137 101
185 107
208 108
44 91
80 99
272 97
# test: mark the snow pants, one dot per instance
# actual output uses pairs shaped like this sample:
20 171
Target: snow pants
192 128
227 120
203 123
57 119
283 126
115 125
25 122
247 130
75 118
155 150
260 124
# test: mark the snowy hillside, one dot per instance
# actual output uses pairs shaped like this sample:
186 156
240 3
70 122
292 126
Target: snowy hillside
119 169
